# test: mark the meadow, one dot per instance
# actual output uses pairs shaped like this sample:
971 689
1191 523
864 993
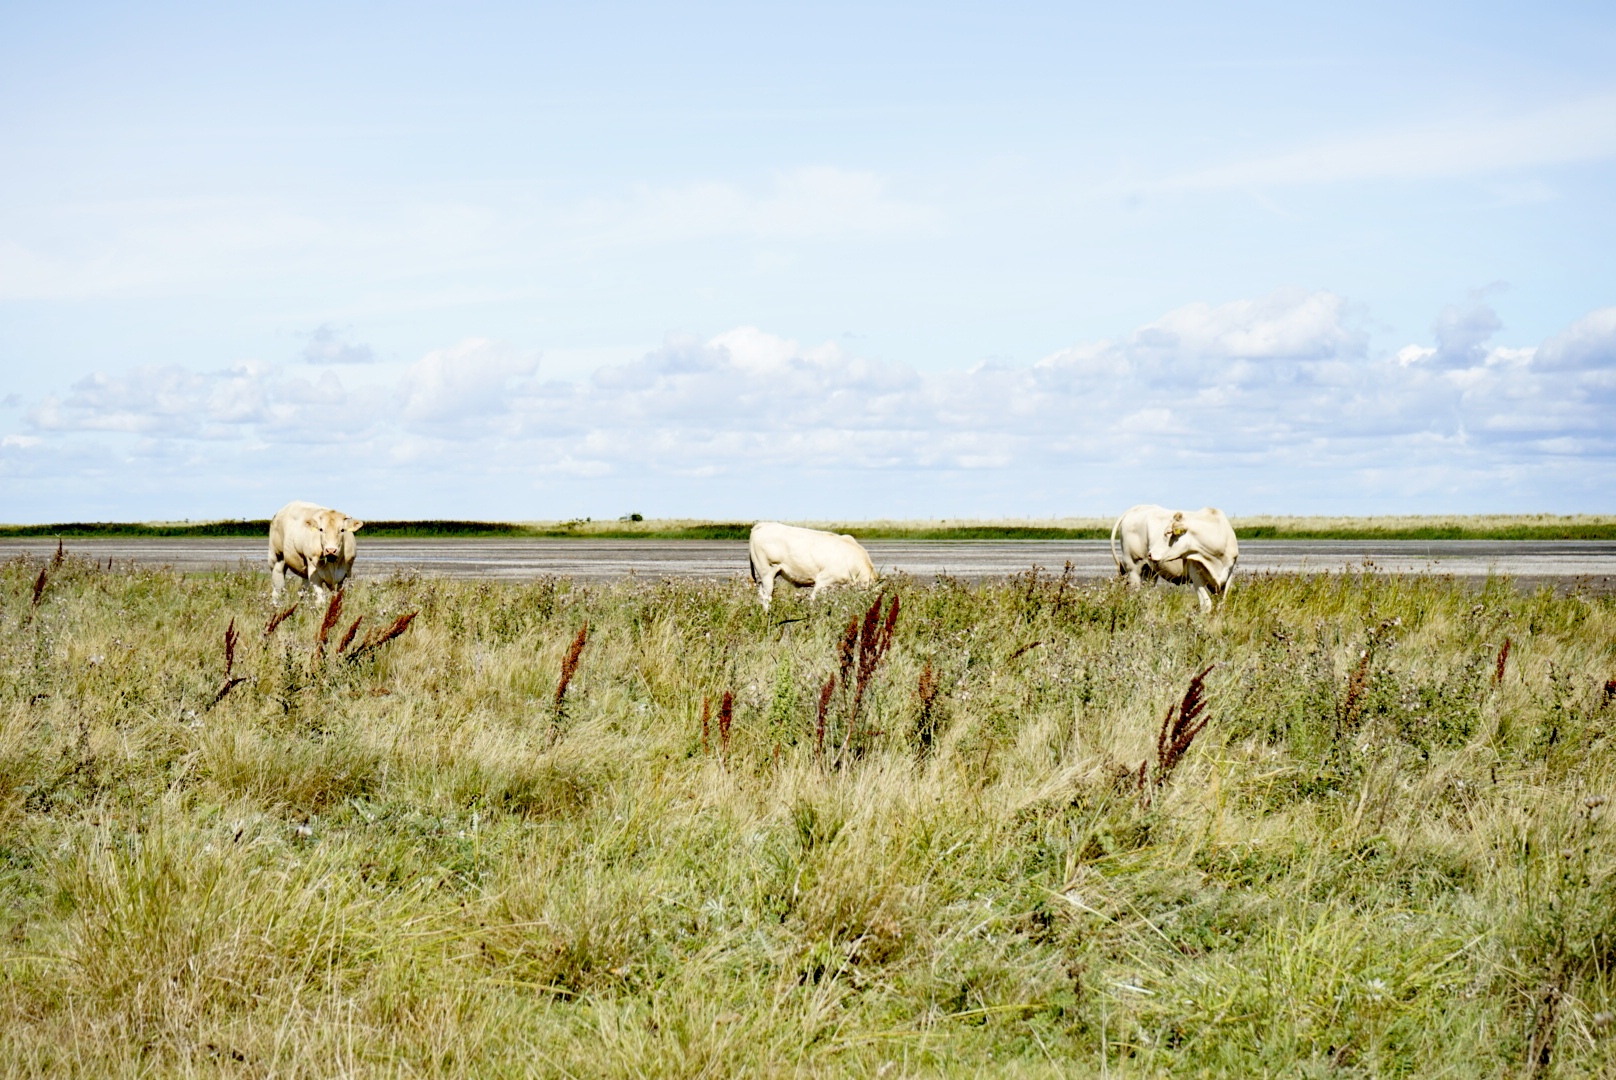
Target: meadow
1347 825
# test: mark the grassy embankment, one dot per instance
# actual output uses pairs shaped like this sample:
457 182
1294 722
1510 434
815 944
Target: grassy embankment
1387 853
1431 527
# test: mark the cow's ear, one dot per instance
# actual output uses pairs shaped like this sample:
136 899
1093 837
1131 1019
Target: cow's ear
355 526
309 523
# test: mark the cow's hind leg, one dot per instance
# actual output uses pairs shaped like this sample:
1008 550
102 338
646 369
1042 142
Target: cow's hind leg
277 579
766 584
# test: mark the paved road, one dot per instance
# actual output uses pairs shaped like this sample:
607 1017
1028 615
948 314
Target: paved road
1557 562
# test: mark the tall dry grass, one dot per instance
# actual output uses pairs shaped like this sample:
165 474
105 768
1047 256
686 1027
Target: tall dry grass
1374 856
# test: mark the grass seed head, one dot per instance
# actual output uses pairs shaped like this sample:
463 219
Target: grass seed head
333 612
569 665
277 619
347 638
726 716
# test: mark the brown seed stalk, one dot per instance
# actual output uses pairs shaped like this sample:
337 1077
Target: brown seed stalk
39 585
374 641
347 638
726 716
1352 707
819 720
569 667
276 620
926 690
706 715
1180 726
1503 658
333 612
229 684
850 638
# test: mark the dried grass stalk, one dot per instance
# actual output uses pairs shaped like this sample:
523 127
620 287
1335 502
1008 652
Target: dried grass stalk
39 584
726 716
347 639
819 719
875 638
569 667
333 612
926 690
1180 726
276 620
850 639
1503 658
61 555
1352 706
230 639
1024 650
374 641
706 730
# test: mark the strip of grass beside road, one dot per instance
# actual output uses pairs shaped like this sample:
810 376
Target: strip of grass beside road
1478 527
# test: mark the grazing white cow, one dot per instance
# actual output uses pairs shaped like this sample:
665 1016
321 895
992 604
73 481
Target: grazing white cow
1196 547
314 543
805 557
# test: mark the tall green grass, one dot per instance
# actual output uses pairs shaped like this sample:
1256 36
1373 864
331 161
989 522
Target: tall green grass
1380 857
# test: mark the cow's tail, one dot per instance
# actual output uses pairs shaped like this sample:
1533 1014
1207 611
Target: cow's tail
1115 556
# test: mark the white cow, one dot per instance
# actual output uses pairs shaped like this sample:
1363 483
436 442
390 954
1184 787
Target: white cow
805 557
314 543
1196 547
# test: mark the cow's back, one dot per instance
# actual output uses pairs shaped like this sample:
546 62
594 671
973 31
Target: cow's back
807 556
1133 531
290 539
1214 534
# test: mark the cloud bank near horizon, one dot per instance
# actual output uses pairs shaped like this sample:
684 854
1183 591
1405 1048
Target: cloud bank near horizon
1278 403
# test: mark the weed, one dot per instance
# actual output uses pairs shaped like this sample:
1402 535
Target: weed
278 618
230 683
333 612
569 668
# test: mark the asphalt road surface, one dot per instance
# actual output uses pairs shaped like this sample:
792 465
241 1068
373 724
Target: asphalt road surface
1589 564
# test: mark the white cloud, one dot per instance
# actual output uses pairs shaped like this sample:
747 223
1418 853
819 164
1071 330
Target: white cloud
326 346
472 381
1276 386
1589 344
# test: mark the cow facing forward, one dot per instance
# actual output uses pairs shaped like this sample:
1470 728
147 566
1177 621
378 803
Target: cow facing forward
805 557
314 543
1196 547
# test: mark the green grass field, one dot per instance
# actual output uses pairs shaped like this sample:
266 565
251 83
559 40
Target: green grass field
1386 854
1450 527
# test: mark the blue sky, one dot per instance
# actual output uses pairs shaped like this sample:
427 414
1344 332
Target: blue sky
521 261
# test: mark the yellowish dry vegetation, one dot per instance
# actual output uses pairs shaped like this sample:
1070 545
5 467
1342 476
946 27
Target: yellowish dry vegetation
1380 858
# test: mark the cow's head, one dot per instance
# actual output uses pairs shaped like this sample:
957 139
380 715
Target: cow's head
330 526
1175 528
